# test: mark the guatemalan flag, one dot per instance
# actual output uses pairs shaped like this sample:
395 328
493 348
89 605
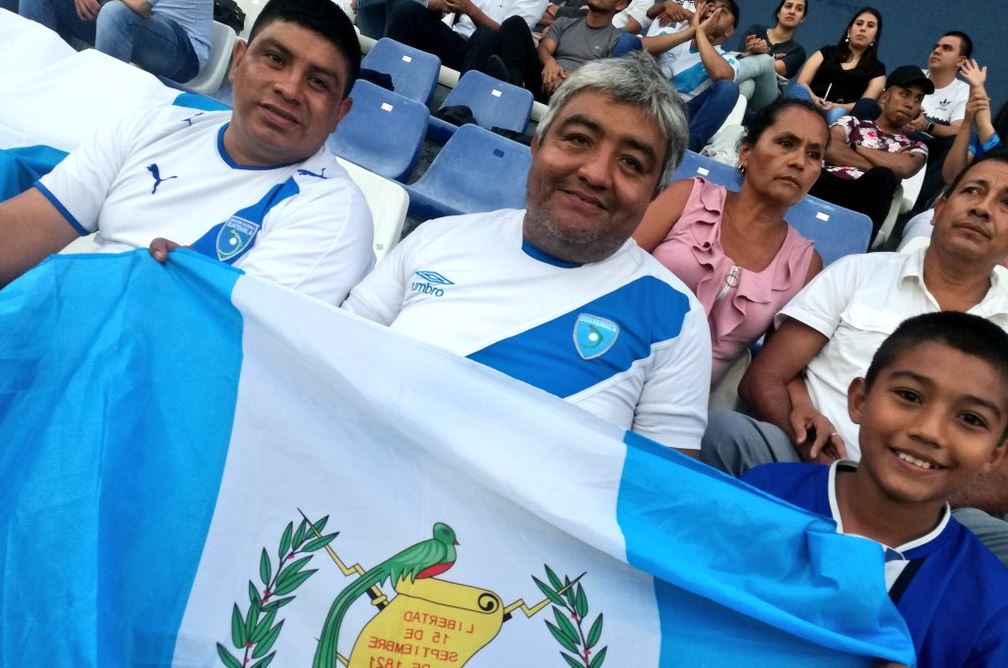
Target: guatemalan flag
203 469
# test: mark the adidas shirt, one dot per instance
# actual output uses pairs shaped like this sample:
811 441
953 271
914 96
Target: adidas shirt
622 338
166 174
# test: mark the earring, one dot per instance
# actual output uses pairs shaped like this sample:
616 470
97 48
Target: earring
846 39
872 44
741 169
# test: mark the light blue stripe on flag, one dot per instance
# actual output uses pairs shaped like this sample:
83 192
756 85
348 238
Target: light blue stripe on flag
797 567
100 535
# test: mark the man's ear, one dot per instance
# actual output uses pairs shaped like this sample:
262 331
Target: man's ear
534 145
237 55
342 109
857 392
621 5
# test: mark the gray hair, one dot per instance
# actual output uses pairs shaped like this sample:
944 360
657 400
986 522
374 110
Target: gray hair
632 79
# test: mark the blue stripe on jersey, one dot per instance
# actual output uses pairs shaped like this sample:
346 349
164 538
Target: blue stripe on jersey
231 239
197 101
226 157
74 223
648 311
691 78
533 252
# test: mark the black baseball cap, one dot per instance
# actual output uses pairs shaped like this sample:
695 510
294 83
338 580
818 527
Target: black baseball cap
909 75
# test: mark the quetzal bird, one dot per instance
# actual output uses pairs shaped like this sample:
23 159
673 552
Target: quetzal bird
424 560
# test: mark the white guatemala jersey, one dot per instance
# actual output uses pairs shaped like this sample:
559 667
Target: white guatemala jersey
622 338
166 174
682 64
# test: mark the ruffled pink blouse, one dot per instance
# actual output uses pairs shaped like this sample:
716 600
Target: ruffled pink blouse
740 304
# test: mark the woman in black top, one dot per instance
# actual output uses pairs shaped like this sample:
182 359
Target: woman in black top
779 41
838 76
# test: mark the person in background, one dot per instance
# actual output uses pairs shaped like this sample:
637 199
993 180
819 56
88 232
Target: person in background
838 76
565 46
977 135
867 160
770 54
169 38
690 55
943 111
735 251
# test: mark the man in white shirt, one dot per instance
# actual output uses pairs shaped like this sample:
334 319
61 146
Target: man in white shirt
558 295
942 111
254 187
828 333
170 38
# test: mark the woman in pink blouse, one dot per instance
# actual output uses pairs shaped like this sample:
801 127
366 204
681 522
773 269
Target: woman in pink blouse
735 250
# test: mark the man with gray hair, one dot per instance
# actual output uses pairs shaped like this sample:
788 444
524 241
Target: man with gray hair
558 295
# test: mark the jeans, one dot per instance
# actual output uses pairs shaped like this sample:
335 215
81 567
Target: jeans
708 112
867 109
156 44
757 80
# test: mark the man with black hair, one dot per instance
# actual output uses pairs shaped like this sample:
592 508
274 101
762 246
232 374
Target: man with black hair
690 55
253 187
942 111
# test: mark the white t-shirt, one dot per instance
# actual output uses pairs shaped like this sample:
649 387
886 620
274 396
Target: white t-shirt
947 104
682 64
857 302
622 338
498 10
166 174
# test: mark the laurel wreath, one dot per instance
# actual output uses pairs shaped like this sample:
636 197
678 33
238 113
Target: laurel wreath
255 631
571 635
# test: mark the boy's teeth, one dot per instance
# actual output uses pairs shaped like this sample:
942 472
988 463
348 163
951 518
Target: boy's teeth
913 460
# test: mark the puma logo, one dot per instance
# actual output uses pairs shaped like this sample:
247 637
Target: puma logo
156 173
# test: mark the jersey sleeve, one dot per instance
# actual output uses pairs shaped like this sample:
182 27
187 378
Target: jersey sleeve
379 297
672 408
79 185
820 303
319 242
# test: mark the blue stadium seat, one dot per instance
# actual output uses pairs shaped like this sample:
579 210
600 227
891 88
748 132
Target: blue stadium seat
694 164
476 170
383 131
836 231
494 104
414 72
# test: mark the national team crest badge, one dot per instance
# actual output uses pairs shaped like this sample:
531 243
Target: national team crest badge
593 336
234 236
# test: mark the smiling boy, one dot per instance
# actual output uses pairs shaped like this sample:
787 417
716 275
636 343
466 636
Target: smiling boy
933 415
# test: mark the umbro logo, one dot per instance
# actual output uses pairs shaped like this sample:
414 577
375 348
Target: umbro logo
156 173
431 283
